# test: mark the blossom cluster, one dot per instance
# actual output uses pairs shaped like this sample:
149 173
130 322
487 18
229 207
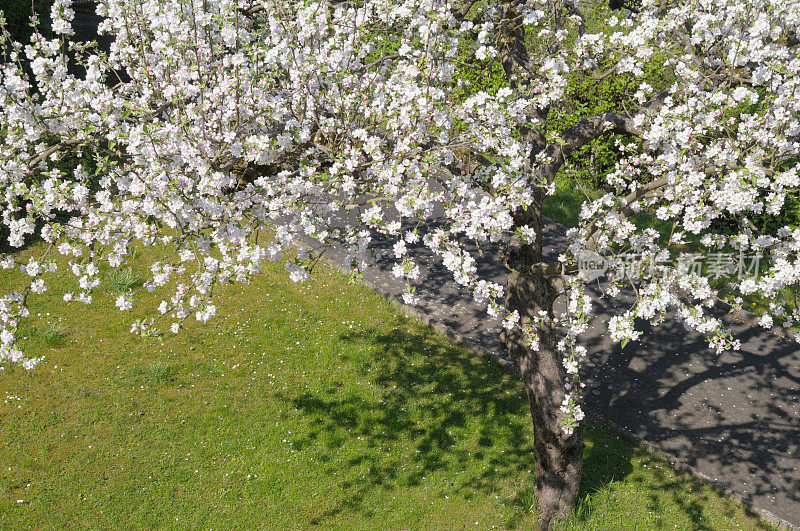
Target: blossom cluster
316 122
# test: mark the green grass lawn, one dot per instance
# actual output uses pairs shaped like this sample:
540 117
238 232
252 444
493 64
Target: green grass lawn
301 405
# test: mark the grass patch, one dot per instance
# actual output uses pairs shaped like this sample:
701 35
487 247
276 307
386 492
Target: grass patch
160 372
299 406
53 335
123 280
564 206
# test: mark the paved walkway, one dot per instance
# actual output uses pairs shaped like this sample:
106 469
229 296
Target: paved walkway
733 419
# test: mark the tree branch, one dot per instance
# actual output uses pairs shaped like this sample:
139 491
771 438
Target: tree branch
585 131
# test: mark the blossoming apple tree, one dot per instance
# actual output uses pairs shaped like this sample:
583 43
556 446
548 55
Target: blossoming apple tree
330 121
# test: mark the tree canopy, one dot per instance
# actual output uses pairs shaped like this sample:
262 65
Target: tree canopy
246 129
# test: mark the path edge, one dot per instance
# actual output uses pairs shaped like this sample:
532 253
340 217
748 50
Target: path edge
511 369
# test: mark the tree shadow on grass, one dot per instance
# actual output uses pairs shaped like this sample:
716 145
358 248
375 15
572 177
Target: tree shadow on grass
436 411
431 410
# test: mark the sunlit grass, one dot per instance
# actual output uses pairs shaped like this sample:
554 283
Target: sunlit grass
564 206
301 405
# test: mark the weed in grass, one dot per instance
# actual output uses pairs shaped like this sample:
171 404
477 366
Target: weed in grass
160 372
122 280
54 335
156 373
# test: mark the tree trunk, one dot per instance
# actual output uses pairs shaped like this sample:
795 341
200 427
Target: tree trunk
559 457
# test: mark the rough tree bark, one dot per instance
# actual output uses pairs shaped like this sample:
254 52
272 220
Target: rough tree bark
559 457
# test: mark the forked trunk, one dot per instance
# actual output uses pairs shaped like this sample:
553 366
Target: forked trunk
559 457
